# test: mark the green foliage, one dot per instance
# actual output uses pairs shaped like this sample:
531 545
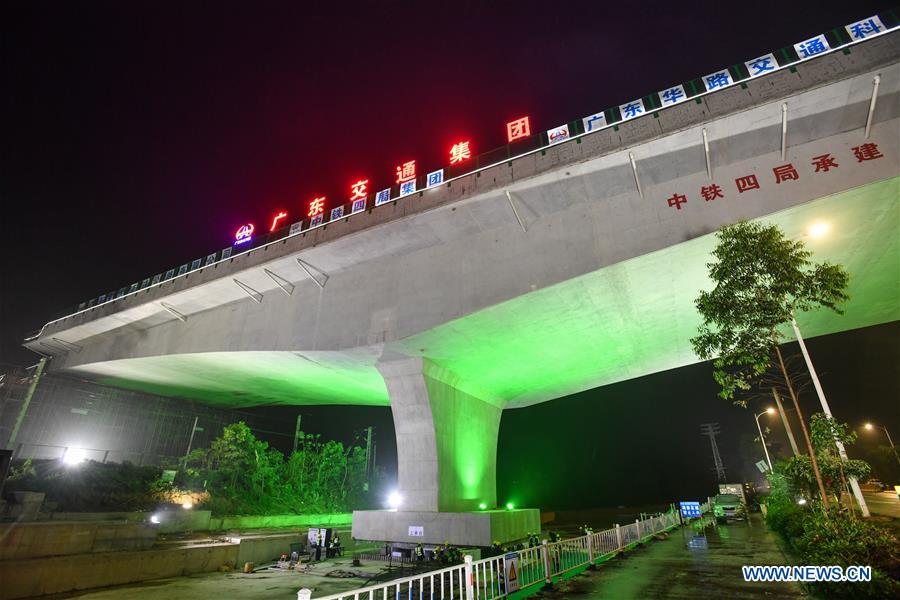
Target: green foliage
824 431
835 537
244 476
761 280
92 486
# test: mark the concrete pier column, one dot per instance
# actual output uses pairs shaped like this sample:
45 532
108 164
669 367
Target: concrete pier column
446 437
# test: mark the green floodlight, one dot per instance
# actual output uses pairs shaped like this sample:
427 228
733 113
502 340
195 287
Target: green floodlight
482 506
510 506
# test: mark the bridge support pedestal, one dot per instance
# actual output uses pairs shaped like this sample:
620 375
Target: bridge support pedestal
446 454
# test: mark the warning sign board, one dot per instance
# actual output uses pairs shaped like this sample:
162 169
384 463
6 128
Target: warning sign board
511 568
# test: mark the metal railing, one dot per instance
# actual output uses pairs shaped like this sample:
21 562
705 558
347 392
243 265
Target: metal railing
486 579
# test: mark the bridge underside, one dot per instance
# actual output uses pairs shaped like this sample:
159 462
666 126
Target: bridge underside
620 322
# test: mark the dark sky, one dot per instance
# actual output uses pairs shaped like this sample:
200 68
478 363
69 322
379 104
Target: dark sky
137 135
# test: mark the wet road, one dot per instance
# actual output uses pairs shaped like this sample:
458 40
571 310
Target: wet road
693 563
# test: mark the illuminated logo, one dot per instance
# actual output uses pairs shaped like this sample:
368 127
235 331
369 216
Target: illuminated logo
520 128
281 215
244 234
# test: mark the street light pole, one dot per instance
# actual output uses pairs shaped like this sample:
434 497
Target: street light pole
864 509
761 438
888 434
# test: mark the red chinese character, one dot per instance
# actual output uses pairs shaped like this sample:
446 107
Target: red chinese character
867 152
677 200
518 129
460 152
785 173
359 189
406 172
746 183
278 217
824 163
711 192
317 206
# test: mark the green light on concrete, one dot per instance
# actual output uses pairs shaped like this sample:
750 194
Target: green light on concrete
510 506
482 506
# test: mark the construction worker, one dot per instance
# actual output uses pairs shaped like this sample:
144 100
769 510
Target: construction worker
420 553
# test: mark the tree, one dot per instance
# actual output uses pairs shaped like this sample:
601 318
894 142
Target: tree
244 476
762 279
825 431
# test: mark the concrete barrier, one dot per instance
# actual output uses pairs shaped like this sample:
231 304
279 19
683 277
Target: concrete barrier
53 575
42 539
263 549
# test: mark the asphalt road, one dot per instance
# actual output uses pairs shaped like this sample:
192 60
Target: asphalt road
695 562
883 503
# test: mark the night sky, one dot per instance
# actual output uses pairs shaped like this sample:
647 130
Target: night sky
138 135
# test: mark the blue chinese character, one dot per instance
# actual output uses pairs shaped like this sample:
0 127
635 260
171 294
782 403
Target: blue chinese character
359 205
407 187
382 197
717 80
599 119
337 213
813 46
631 109
316 220
435 178
860 30
672 95
761 65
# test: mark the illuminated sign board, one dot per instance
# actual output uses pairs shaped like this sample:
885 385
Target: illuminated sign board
632 109
595 121
520 128
244 234
383 197
281 215
459 152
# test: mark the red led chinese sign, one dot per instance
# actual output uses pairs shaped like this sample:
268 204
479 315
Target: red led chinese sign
406 172
316 206
281 215
460 152
359 190
520 128
244 233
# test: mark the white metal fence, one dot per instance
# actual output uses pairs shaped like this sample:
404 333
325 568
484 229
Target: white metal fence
486 579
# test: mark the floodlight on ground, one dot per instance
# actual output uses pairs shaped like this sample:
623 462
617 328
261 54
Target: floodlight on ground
187 505
510 506
154 519
801 501
74 456
482 506
394 500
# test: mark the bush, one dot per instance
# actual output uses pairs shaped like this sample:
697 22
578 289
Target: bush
92 486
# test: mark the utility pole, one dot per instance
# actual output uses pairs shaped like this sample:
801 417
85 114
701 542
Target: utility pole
787 426
854 484
297 432
713 429
28 395
368 455
193 431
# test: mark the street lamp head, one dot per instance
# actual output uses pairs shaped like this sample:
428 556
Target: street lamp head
817 230
770 410
868 426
